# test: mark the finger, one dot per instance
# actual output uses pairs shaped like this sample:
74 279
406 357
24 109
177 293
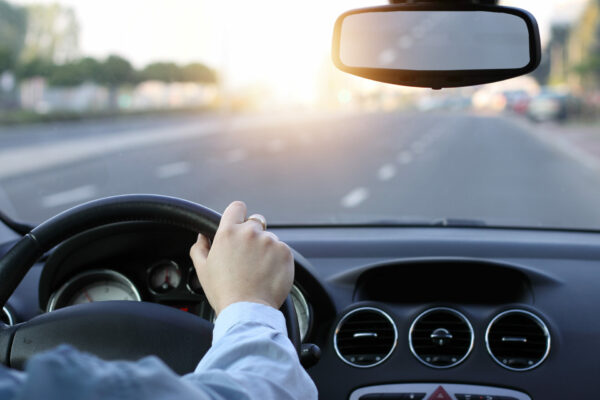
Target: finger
271 235
199 251
235 213
258 220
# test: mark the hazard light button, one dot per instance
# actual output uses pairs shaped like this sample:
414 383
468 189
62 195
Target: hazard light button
440 394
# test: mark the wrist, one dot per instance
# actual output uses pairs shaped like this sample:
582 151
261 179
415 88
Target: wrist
229 302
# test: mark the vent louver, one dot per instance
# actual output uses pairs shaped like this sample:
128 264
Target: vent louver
518 340
441 337
365 337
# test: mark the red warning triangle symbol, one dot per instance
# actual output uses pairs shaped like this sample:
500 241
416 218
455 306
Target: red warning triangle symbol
440 394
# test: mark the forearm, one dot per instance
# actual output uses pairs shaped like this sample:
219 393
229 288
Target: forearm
251 359
251 351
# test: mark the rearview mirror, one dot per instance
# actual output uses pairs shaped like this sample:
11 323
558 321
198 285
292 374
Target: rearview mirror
435 45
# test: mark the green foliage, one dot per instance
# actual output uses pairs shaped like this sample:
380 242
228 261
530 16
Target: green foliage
13 26
590 66
161 71
115 71
171 72
69 74
33 68
197 72
52 33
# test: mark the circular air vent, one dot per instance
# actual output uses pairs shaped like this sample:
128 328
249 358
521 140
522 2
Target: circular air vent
6 317
441 337
365 337
518 340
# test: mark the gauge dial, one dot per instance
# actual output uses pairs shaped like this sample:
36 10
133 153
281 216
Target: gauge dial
302 311
105 290
193 283
92 286
164 277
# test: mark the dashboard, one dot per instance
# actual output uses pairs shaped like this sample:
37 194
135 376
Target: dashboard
430 313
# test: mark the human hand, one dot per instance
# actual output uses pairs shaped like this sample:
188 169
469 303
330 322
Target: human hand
244 262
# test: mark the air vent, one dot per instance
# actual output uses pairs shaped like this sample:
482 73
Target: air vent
6 317
365 337
518 340
441 337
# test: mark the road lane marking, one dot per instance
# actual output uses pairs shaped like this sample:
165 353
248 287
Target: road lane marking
46 155
173 169
355 197
70 196
42 155
235 155
387 172
565 146
405 157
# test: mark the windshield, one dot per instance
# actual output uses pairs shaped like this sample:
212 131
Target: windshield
219 101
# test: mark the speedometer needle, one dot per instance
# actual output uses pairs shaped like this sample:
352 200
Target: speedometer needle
87 296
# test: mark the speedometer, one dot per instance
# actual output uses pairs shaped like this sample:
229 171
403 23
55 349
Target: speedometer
92 286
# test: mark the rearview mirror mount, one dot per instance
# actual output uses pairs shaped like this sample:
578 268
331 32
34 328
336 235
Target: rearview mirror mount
437 45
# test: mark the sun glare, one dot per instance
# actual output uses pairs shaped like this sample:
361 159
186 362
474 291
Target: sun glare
279 47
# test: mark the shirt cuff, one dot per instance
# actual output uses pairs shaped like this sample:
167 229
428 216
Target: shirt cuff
247 312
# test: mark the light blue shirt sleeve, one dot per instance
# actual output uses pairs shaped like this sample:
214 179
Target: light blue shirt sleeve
251 358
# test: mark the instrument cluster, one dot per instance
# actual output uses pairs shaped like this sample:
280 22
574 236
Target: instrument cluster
164 282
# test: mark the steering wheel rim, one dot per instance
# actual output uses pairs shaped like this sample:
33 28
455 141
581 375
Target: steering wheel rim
14 349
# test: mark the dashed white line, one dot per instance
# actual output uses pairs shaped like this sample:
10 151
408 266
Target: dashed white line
405 157
387 172
355 197
173 169
235 155
69 196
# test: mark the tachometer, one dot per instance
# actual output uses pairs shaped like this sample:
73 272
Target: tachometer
164 276
92 286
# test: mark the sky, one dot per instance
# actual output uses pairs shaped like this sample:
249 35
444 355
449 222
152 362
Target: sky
279 43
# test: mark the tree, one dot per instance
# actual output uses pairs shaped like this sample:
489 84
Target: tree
162 71
171 72
197 72
91 69
115 71
34 67
70 74
52 34
13 26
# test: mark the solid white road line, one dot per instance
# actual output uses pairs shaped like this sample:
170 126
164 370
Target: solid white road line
70 196
355 197
387 172
173 169
46 155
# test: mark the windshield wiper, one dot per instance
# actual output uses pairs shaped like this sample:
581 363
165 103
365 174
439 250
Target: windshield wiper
18 227
458 222
449 222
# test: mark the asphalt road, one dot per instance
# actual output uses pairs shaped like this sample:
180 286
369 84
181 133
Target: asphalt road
327 168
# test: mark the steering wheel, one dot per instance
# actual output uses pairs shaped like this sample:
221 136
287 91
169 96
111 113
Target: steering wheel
114 329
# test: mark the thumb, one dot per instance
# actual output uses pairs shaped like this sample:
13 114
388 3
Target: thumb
199 251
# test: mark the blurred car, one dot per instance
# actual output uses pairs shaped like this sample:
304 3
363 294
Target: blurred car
553 105
516 101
